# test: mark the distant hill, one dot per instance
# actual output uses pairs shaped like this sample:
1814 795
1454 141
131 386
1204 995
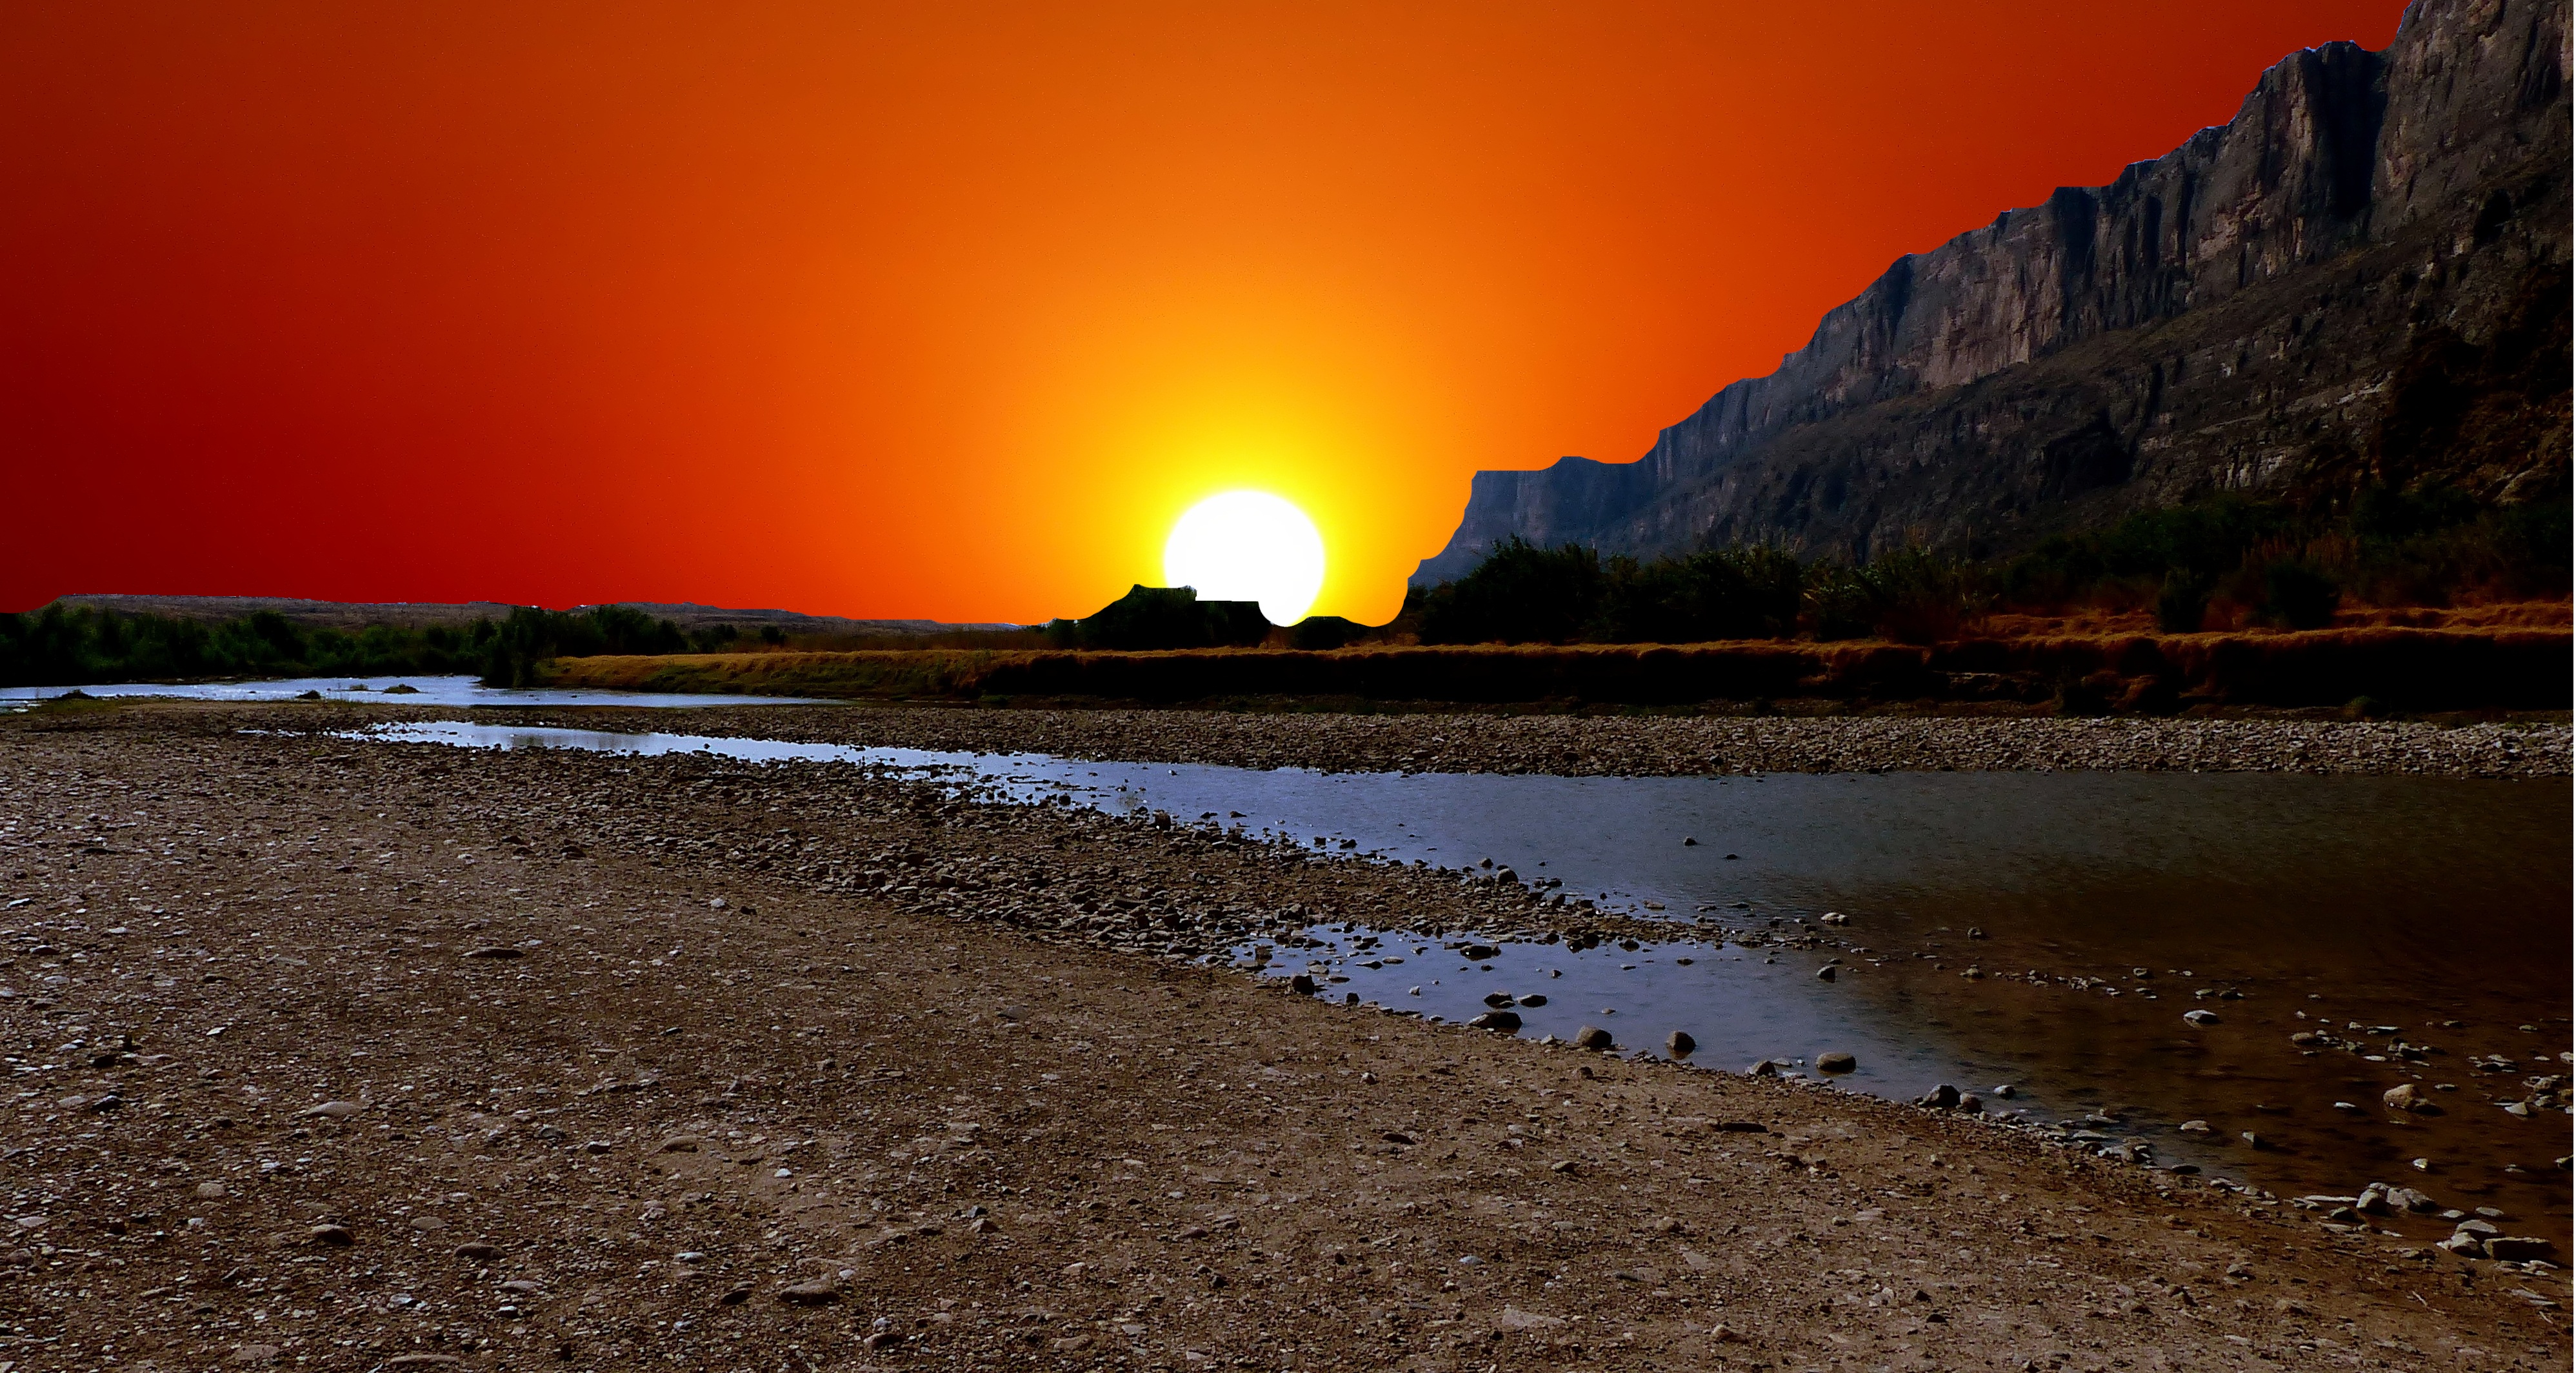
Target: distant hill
2360 280
418 614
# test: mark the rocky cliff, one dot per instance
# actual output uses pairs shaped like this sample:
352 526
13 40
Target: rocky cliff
2363 276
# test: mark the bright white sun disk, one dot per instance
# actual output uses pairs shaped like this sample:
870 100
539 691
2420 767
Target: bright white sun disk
1248 546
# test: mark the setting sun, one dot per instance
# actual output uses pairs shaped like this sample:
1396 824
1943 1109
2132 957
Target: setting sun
1248 546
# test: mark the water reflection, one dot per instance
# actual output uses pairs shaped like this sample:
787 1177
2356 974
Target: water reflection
2046 931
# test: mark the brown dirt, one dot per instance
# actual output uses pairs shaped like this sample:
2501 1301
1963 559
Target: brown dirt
816 1129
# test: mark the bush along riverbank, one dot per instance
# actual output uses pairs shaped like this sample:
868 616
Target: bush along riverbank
2218 564
2392 668
75 645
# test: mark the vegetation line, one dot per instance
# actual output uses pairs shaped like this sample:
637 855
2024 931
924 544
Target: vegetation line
2220 564
70 646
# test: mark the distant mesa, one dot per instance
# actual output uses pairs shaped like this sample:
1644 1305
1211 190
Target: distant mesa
1323 633
1168 617
2361 279
1155 617
309 614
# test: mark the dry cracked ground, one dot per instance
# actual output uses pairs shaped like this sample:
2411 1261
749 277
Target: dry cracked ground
337 1056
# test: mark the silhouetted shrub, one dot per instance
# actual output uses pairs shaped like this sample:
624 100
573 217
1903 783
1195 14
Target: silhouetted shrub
531 635
2182 603
2300 596
59 646
1519 594
1912 596
1736 593
1839 602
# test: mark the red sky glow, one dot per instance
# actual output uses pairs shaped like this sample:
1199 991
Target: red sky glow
949 310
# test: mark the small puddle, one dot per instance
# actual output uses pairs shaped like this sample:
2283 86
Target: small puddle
2046 931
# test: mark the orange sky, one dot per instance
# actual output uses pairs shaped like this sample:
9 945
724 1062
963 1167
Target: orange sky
949 310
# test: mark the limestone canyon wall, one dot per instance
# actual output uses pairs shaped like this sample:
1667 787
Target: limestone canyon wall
2362 276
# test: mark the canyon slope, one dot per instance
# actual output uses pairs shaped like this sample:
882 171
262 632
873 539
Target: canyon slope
2363 277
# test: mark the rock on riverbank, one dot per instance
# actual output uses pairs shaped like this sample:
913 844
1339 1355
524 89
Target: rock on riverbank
723 1108
1643 745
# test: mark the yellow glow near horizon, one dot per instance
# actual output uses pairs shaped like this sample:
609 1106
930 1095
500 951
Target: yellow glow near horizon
1248 546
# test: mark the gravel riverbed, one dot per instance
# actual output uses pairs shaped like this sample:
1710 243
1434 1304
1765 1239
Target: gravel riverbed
349 1056
1648 745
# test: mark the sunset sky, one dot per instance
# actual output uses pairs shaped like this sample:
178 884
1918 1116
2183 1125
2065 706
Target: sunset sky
950 310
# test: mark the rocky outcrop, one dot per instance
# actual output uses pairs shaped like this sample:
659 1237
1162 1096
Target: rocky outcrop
2362 276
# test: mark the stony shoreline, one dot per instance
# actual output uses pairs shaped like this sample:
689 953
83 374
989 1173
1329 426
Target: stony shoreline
1642 745
354 1054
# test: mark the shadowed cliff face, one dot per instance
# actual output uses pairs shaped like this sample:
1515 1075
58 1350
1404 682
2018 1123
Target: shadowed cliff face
2362 276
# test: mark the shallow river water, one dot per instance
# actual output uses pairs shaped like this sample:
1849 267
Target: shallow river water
2046 931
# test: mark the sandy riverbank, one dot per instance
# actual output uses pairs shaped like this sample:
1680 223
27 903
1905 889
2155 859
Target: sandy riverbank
434 1055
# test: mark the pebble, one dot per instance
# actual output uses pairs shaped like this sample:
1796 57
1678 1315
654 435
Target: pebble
1656 746
820 1291
738 1246
1679 1043
1836 1061
1594 1038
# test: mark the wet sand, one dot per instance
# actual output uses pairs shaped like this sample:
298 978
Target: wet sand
344 1055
